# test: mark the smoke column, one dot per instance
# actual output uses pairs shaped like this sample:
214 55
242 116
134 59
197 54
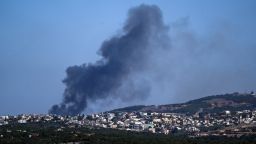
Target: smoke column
119 74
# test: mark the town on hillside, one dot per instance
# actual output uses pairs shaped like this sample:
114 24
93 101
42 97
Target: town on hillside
226 123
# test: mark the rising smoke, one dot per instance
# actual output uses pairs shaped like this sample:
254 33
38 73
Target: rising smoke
142 64
125 58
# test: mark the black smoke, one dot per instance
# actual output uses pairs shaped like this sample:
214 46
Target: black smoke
123 56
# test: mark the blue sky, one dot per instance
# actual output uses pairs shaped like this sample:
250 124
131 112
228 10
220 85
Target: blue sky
40 39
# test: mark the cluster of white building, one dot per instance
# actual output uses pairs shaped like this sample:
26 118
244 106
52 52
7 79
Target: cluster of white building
170 122
145 121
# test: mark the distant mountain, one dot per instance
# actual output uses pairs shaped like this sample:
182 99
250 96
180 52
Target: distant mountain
217 103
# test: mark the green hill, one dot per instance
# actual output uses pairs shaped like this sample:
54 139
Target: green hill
216 103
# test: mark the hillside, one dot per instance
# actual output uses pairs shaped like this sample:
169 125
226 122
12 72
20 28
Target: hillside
216 103
35 133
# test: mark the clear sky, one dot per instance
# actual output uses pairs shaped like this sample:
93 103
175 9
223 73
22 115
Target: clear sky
40 39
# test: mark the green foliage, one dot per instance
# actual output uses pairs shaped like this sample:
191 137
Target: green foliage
241 102
47 133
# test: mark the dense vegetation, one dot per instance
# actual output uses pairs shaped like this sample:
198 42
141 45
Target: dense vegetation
232 102
48 133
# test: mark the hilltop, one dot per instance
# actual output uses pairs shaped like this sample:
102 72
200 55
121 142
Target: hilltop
209 104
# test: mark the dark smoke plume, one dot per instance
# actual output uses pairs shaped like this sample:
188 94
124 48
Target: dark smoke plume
123 56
